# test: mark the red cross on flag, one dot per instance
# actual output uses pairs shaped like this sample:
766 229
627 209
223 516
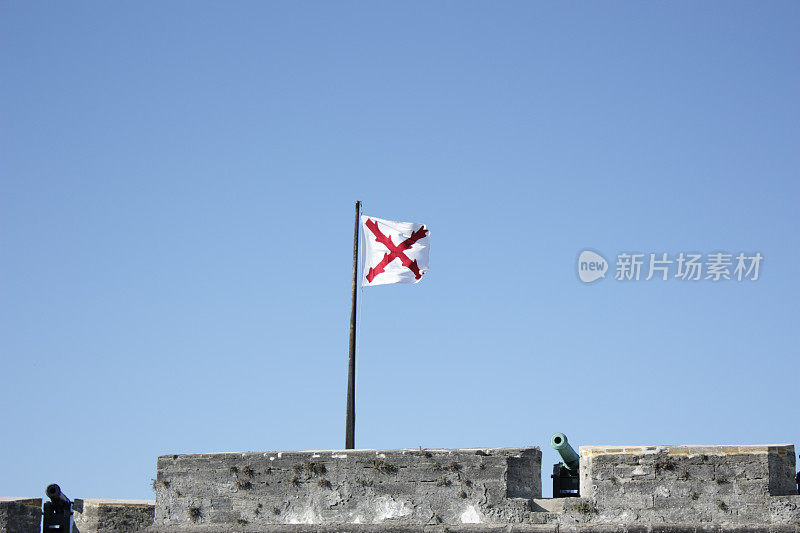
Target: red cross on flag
394 252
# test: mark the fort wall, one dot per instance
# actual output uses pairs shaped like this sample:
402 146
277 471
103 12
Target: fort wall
20 515
693 484
361 486
623 488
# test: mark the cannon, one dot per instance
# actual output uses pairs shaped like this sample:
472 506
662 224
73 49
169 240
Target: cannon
566 482
57 513
560 444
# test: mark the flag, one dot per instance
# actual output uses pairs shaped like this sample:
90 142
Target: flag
394 252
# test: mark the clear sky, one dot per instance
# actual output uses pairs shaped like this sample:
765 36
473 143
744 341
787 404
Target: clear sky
177 183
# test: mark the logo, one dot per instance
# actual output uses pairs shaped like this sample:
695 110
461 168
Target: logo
684 266
591 266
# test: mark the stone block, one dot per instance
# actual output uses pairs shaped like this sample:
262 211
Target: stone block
691 483
346 487
629 471
20 515
781 464
114 516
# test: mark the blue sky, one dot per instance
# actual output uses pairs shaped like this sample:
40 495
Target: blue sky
177 184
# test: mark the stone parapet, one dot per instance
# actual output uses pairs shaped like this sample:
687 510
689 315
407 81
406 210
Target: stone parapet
20 515
114 516
482 528
699 484
411 487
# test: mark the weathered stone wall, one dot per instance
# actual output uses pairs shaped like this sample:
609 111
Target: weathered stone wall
675 488
20 515
114 516
353 486
623 488
480 528
24 515
689 484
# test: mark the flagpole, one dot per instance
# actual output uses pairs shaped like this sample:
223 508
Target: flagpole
350 431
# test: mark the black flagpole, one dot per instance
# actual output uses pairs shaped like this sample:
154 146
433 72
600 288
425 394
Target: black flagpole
350 432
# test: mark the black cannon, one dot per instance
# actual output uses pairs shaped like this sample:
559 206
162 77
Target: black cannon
566 482
57 512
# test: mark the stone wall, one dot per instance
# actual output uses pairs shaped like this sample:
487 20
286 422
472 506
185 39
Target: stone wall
24 515
20 515
678 487
623 488
480 528
114 516
353 486
689 484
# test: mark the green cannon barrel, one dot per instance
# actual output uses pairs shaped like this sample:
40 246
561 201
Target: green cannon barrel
560 444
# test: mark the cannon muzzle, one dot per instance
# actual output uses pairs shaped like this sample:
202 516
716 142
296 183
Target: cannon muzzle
60 501
560 444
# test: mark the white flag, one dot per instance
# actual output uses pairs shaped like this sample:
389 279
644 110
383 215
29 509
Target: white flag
395 252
